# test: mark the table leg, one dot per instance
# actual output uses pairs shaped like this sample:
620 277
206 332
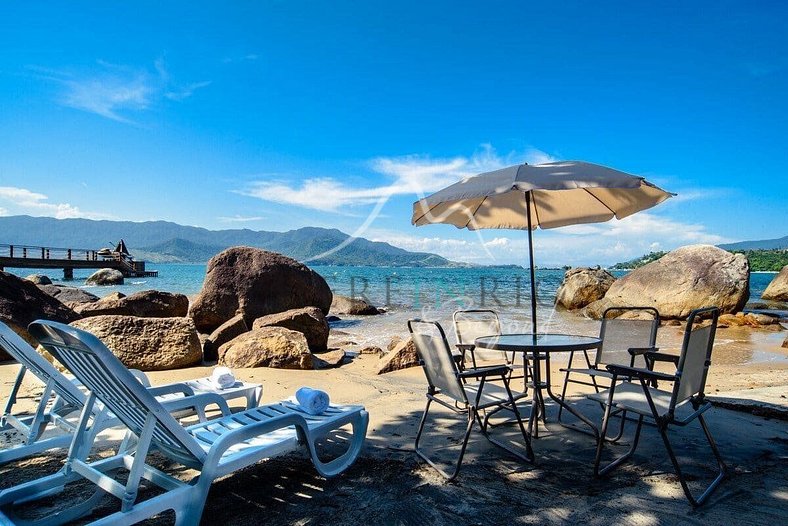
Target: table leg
562 404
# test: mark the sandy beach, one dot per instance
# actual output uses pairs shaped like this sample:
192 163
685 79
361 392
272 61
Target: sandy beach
389 485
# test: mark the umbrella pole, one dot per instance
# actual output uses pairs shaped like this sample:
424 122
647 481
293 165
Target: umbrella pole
531 260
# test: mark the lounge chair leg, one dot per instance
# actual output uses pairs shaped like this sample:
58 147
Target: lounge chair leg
720 463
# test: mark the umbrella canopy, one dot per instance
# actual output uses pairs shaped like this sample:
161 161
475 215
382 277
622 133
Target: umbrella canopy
549 195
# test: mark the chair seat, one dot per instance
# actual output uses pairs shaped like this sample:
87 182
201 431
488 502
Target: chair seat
629 396
492 394
270 444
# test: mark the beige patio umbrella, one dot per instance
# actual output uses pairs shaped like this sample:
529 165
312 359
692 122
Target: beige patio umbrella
547 195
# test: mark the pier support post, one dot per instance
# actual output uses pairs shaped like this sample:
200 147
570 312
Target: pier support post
68 274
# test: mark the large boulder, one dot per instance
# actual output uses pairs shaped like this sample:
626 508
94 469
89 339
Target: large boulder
148 344
22 302
70 296
144 304
254 283
39 279
309 321
583 285
224 333
687 278
105 276
401 356
352 306
778 288
275 347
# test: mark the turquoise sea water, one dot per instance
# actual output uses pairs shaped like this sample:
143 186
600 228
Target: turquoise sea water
409 288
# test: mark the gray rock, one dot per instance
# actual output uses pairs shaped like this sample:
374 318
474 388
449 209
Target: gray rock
402 356
352 306
70 296
148 344
39 279
255 283
777 289
144 304
688 278
309 321
582 286
105 276
275 347
224 333
328 359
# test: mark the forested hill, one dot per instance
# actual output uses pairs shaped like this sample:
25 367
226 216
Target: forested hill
163 241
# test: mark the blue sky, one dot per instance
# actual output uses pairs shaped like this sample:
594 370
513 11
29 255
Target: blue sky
278 115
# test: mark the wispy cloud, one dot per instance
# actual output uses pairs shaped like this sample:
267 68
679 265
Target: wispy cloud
417 175
119 92
24 201
240 219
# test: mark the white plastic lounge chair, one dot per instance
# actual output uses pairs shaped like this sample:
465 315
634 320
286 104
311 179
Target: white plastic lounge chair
627 333
60 399
448 387
214 448
689 381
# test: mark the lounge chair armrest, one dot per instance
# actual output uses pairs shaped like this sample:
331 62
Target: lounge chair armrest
637 351
495 370
161 390
623 370
198 403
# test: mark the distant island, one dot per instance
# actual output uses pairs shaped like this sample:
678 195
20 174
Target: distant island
768 255
166 242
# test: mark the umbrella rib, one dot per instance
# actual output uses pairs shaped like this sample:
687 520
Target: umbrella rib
422 215
470 218
533 205
602 202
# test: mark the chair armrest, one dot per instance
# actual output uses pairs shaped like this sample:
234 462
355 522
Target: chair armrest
637 351
160 390
198 403
664 357
623 370
465 346
494 370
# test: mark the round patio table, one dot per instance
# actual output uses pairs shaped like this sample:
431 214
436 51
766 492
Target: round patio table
539 347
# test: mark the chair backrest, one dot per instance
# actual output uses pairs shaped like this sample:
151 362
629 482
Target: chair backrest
472 324
439 365
108 379
23 353
623 328
695 359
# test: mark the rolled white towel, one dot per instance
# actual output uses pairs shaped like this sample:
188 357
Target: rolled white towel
313 401
222 378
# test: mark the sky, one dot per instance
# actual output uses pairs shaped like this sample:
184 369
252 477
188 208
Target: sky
275 115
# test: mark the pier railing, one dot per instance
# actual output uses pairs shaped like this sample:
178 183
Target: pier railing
35 252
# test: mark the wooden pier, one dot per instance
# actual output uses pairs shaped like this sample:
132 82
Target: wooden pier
26 256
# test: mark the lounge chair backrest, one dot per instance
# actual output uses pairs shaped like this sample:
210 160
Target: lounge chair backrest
439 366
695 359
623 328
472 324
109 380
26 355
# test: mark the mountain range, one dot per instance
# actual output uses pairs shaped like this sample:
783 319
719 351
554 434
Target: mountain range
163 241
764 244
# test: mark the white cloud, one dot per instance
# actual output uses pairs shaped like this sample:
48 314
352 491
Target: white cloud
418 175
24 201
240 219
114 91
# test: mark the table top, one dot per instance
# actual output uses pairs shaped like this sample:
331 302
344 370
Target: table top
538 342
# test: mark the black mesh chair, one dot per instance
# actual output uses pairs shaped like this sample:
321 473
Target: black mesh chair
640 398
467 392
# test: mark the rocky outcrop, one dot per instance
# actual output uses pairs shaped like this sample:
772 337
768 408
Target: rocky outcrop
144 304
22 302
148 344
105 276
583 285
69 296
688 278
777 290
352 306
275 347
224 333
741 319
309 321
39 279
254 283
402 356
